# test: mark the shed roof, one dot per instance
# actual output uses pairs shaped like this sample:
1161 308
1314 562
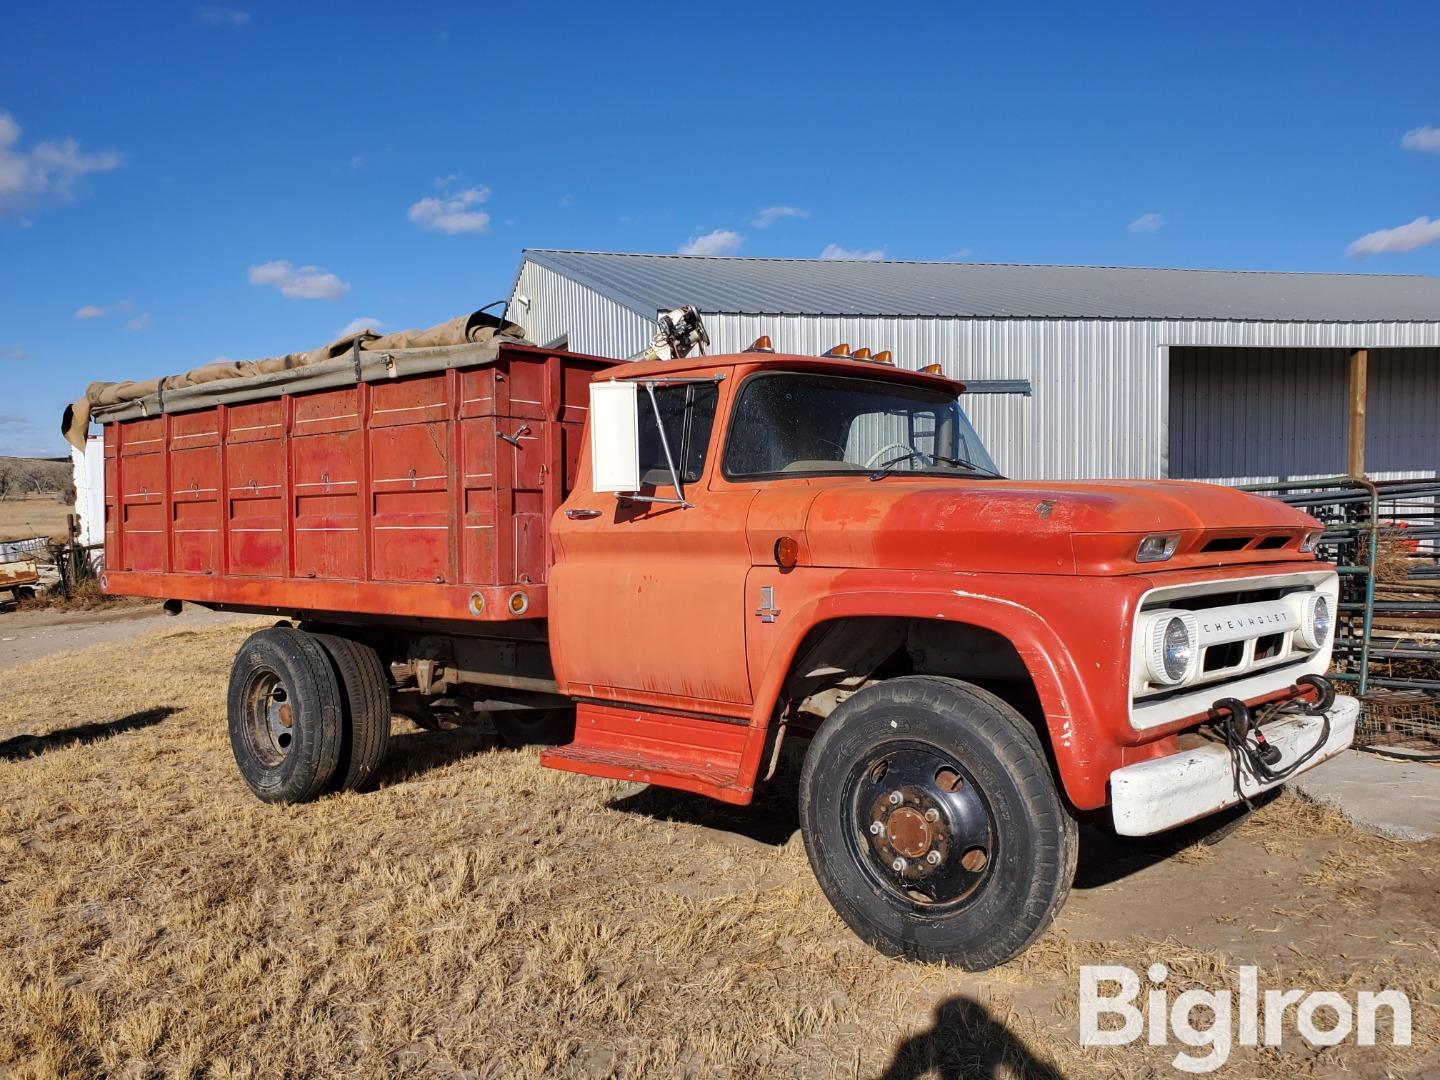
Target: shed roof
734 285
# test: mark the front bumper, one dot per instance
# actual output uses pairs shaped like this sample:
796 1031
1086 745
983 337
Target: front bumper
1156 795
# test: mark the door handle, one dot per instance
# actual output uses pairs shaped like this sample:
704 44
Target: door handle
579 513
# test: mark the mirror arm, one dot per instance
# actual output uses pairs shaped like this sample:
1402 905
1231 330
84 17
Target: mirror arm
665 445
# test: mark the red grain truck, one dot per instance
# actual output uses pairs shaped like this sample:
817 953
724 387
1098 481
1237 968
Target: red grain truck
668 569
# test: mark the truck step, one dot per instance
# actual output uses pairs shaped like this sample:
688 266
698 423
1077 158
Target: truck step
685 752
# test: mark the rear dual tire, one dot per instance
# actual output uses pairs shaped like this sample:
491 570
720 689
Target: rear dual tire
308 713
933 825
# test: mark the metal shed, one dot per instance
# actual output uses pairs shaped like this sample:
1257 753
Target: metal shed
1091 371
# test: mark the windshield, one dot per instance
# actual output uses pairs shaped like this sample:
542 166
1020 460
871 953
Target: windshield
793 422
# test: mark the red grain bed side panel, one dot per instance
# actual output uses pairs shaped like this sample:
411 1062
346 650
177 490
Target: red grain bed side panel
428 495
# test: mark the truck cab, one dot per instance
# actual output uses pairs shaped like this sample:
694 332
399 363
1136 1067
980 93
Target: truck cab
761 547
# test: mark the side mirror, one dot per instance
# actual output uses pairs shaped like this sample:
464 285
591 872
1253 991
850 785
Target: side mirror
615 436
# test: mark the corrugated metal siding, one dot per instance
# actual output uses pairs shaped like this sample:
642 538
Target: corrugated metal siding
1402 425
1101 387
1283 412
1257 412
559 306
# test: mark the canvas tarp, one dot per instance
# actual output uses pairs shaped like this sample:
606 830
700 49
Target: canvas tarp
250 379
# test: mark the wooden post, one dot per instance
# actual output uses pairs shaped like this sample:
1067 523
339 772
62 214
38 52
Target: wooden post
1359 372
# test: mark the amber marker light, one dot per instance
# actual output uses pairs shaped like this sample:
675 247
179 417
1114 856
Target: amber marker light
861 354
761 344
884 357
842 350
519 603
787 552
933 369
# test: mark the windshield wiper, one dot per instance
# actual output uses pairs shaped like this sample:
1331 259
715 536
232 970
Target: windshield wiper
959 463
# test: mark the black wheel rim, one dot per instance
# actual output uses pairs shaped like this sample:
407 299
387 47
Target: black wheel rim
920 827
268 725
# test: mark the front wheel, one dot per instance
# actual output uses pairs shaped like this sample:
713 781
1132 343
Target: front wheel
932 823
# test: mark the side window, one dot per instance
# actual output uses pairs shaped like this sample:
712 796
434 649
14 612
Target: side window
688 413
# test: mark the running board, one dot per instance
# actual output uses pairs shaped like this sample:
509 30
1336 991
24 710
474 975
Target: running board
685 752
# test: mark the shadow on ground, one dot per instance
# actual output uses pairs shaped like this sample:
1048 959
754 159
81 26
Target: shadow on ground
27 746
773 818
413 753
965 1040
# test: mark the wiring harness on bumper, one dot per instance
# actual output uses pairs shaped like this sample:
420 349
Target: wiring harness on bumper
1251 754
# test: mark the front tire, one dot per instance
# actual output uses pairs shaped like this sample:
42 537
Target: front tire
285 715
933 825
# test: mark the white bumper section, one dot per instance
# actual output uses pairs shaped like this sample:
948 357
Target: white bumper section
1156 795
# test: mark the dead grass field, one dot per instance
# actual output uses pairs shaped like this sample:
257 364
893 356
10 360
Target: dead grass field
479 914
21 519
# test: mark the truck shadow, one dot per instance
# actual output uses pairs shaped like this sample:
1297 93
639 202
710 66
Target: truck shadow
963 1041
28 746
772 819
1106 858
412 753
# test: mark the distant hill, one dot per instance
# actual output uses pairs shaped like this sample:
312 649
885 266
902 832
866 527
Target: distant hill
27 477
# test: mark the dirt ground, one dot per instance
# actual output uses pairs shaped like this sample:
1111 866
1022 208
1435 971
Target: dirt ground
479 915
27 635
21 519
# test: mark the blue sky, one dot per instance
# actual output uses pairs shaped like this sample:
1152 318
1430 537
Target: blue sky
180 182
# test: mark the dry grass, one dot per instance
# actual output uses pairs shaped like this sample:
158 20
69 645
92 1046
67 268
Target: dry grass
23 518
480 913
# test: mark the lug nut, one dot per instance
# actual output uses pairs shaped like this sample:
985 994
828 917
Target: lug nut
932 814
933 858
876 828
896 798
898 866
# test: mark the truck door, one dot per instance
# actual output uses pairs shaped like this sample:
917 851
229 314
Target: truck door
649 596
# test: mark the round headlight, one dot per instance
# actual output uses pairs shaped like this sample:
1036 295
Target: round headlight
1316 622
1172 649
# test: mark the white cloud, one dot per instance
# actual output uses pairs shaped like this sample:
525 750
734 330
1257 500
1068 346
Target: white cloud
222 16
48 172
835 251
963 253
138 320
1424 139
453 212
1147 223
763 219
1416 234
354 326
719 242
299 282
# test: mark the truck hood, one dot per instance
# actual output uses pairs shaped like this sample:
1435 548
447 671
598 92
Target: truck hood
1002 526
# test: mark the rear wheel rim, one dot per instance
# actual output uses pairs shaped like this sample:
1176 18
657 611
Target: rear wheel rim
269 718
920 827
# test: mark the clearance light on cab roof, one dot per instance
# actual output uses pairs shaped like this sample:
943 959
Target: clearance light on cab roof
933 369
884 357
761 344
861 354
1157 547
842 350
